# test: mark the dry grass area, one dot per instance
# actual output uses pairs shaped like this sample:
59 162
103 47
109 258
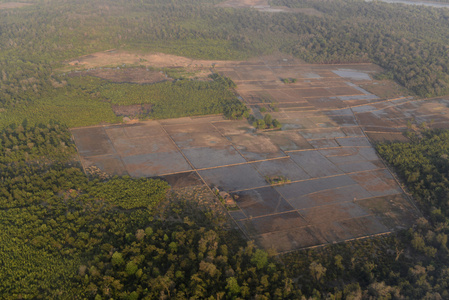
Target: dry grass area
9 5
118 58
243 3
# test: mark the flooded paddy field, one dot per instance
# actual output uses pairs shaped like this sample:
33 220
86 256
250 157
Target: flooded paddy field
335 186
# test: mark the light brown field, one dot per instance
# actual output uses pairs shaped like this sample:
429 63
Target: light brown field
9 5
262 5
119 58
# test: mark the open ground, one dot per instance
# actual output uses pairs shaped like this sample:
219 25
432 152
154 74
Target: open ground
9 5
263 6
338 189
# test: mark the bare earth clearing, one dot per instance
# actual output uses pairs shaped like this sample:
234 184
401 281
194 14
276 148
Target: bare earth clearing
9 5
338 187
263 6
116 59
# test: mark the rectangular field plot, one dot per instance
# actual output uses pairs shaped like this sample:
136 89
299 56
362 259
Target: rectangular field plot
92 141
324 143
353 142
360 166
381 137
340 153
352 74
288 140
328 102
295 190
233 128
259 202
394 211
368 153
331 213
233 178
344 91
281 167
291 239
313 92
207 157
255 147
322 133
344 120
363 226
285 96
378 183
255 73
370 119
182 180
116 132
147 129
200 139
315 164
277 222
189 128
352 131
326 197
155 164
144 145
332 232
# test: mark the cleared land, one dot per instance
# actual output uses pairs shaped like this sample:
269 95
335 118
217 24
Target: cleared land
263 6
338 188
9 5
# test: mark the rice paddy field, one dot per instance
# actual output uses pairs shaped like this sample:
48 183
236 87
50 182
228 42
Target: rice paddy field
336 188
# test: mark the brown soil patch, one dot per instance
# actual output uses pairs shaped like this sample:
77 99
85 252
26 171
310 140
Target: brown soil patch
382 137
243 3
114 58
8 5
385 89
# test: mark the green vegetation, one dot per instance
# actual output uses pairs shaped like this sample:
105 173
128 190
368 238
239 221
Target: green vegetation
84 101
266 123
179 98
130 193
423 165
289 80
277 179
